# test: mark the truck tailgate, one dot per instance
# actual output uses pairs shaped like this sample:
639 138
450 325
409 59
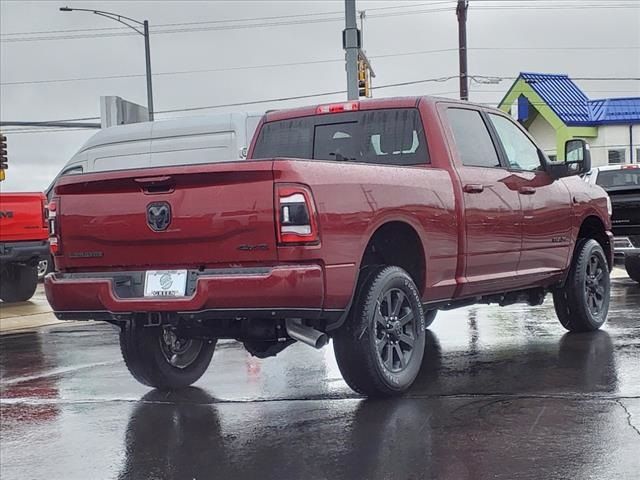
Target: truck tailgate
192 216
22 217
626 211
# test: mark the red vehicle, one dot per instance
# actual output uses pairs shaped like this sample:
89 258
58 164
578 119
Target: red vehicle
24 237
352 221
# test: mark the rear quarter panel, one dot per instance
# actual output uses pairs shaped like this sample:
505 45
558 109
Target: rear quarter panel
354 200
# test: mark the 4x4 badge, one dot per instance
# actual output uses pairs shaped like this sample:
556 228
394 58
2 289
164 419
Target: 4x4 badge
158 216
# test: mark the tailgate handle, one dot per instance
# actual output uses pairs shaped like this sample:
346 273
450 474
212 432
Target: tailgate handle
162 184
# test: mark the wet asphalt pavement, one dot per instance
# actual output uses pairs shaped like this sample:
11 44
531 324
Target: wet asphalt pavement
503 393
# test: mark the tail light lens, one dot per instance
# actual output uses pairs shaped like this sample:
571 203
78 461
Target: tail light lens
296 220
45 213
54 239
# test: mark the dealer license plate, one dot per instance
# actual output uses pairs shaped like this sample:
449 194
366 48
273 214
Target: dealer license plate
165 283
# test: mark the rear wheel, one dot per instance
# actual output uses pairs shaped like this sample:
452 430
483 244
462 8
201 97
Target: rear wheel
583 303
161 358
380 347
632 265
18 283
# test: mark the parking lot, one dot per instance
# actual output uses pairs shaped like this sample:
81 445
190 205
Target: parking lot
503 393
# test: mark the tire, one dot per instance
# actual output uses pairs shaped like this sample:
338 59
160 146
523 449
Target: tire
632 266
147 356
429 317
386 297
582 303
19 283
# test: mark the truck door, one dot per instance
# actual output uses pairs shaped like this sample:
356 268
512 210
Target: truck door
545 203
492 214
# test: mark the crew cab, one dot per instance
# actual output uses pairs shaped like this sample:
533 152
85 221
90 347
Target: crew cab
622 184
354 221
24 237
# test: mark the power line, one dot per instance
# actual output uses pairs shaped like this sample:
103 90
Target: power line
10 38
289 64
233 20
378 87
245 25
271 100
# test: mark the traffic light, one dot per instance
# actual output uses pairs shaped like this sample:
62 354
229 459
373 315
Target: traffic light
364 88
3 156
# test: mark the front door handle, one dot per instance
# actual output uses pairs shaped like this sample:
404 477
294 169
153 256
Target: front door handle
474 188
527 190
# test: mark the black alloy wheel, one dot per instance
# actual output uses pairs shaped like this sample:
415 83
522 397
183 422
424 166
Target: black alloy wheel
582 302
163 358
396 330
594 283
380 347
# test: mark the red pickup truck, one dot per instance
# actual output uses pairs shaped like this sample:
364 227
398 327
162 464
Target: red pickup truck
354 221
24 237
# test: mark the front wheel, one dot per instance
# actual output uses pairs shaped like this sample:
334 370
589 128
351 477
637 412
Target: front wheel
159 357
582 303
632 266
380 347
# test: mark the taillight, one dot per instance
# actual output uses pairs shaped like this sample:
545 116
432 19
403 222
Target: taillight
45 214
296 221
339 107
54 240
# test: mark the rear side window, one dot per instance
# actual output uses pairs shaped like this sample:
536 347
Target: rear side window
386 137
473 142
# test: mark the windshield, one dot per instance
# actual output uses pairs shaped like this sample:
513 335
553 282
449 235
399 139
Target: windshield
626 177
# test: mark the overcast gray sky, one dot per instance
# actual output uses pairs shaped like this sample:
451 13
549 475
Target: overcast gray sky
590 38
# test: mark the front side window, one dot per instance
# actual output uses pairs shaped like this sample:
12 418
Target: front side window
472 138
384 137
522 153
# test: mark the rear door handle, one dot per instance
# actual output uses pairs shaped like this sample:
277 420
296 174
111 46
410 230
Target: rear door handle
474 188
527 190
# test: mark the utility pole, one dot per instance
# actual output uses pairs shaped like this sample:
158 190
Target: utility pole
351 44
461 12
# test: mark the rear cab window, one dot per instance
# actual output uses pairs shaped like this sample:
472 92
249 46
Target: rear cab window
383 137
622 178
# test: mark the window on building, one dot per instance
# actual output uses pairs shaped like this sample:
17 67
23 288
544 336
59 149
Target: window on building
617 156
472 138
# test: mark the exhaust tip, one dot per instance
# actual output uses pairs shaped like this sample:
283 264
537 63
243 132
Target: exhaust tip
322 340
305 334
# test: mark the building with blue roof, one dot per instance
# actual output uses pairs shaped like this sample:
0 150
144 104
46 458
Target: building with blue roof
554 109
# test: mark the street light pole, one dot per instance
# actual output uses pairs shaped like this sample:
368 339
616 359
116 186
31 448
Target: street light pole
147 55
145 33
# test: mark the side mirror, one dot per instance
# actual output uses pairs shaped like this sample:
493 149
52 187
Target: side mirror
577 160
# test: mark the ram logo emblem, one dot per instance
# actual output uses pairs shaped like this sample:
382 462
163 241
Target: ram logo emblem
158 216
